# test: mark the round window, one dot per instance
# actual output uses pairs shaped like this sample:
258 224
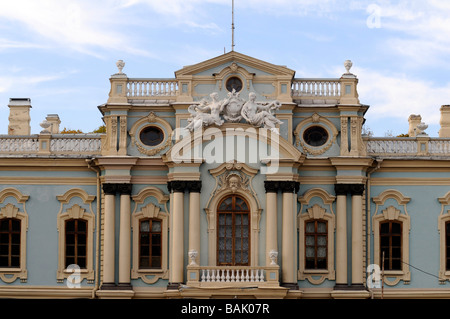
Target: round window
151 136
315 136
234 83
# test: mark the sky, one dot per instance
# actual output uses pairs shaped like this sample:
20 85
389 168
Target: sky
61 53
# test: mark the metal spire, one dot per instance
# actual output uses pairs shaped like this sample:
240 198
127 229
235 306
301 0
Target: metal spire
232 25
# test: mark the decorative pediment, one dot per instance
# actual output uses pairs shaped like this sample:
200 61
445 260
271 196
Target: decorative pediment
234 60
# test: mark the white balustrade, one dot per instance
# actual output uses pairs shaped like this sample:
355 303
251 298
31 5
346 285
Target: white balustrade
12 145
392 146
73 145
232 274
152 87
439 147
316 88
60 144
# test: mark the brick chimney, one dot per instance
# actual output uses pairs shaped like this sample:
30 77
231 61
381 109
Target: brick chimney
19 116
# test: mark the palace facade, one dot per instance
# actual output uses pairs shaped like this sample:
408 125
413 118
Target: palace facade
234 179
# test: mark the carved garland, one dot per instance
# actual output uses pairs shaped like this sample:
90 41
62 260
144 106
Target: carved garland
151 118
320 121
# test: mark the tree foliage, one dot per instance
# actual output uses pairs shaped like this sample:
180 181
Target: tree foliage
70 131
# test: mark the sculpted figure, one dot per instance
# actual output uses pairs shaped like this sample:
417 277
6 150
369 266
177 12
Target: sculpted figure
232 107
200 116
259 114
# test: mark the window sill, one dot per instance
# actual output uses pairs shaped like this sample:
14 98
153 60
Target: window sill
393 273
79 270
150 271
10 270
316 271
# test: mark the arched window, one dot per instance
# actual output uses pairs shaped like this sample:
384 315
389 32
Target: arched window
316 243
10 242
391 245
233 239
76 242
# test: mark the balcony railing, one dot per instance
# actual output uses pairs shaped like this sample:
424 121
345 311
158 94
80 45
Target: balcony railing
147 88
63 144
321 88
47 144
19 144
412 146
166 88
233 276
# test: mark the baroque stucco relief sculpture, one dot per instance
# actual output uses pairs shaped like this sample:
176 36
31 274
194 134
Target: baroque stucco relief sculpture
233 109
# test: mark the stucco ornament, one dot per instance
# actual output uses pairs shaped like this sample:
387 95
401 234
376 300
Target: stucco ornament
206 113
261 114
232 107
234 181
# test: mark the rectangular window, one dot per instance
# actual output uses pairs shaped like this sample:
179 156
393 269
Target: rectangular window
150 243
447 246
10 243
391 245
76 240
316 243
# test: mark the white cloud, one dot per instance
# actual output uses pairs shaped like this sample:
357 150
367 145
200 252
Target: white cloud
399 96
8 83
420 30
11 44
77 24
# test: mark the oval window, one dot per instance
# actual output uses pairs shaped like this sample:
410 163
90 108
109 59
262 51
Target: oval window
315 136
151 136
234 83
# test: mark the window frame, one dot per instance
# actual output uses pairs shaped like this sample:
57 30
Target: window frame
9 210
390 235
310 212
10 232
443 220
447 245
233 212
75 211
150 202
155 127
77 233
151 245
392 277
316 234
